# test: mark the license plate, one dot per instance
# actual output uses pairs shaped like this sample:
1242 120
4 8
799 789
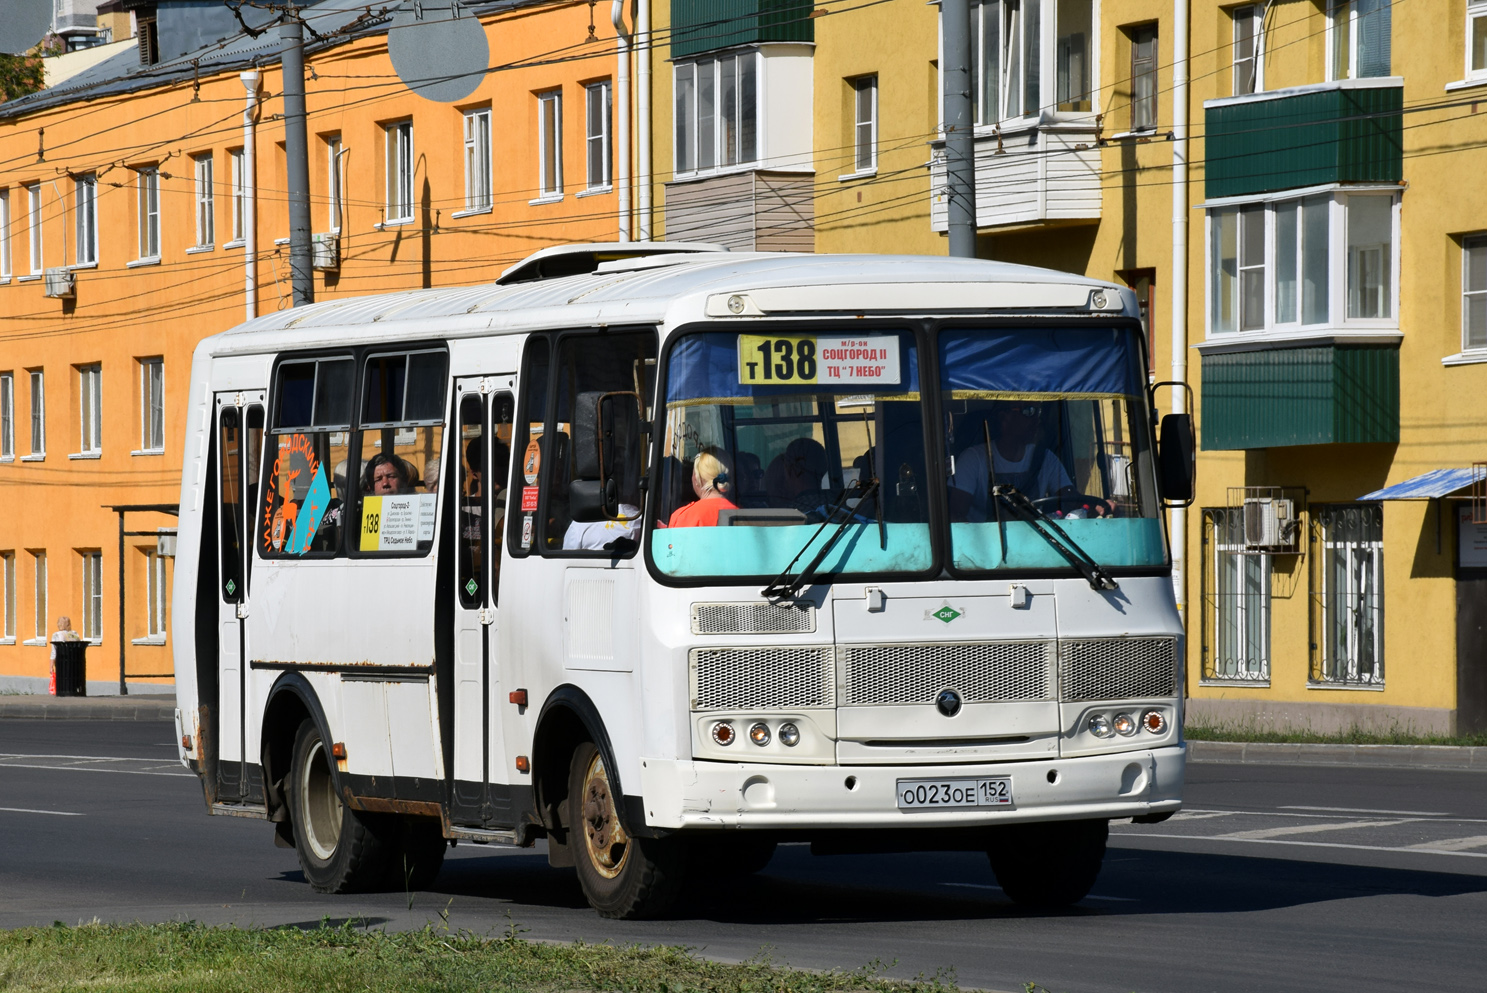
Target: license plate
937 794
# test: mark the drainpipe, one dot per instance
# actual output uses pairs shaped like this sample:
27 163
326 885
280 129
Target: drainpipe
643 112
1179 294
622 117
250 197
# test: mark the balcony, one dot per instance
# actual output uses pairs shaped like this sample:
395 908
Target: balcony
1029 176
1348 131
708 25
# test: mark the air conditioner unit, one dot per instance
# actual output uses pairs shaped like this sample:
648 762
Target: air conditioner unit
1270 525
61 283
326 250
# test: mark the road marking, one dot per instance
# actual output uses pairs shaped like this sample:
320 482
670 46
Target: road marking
1453 844
28 810
988 886
1305 844
1369 810
1278 832
1203 815
94 763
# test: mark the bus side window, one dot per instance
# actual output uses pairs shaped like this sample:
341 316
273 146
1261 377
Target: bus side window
402 434
300 513
527 443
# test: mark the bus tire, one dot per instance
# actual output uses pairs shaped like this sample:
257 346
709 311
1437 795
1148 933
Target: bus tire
1051 865
623 877
339 850
416 853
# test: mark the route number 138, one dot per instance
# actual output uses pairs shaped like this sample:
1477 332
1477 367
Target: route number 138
764 360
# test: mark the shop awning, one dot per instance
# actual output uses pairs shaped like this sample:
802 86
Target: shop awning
1436 483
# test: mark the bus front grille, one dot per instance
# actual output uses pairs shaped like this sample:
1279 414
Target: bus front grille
1118 668
993 672
762 678
752 618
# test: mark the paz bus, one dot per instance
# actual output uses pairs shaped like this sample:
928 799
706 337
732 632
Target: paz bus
667 555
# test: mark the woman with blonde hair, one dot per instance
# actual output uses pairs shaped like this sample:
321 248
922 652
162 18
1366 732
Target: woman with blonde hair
711 483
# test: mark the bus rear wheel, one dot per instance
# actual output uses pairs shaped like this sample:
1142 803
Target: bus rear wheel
623 877
1051 865
338 849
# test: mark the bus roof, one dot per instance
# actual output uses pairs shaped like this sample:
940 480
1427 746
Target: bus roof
673 289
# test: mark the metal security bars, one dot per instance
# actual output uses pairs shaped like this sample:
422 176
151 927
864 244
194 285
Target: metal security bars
1236 601
1347 595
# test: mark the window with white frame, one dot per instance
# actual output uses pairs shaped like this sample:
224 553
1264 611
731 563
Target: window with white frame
7 576
152 405
478 191
335 203
90 409
865 123
717 112
596 134
148 194
7 415
550 143
399 171
1474 293
38 411
1359 33
1322 260
1144 78
92 565
206 203
39 631
1476 39
239 192
1348 586
1249 25
1010 52
1237 582
85 213
33 227
157 594
4 234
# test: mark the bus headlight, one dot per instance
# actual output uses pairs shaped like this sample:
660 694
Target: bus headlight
1154 721
1125 725
789 735
1099 726
723 733
759 734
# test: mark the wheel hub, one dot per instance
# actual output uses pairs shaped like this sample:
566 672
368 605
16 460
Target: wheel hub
608 845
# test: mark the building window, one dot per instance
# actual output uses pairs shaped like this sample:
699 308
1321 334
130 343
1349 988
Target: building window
1476 39
717 113
157 595
1360 38
550 143
149 213
1474 293
596 134
1315 261
92 629
400 171
38 412
1348 593
478 159
152 405
865 123
90 409
7 576
38 619
7 415
1144 78
1006 58
1236 644
239 193
206 212
1249 23
33 226
85 210
335 190
4 234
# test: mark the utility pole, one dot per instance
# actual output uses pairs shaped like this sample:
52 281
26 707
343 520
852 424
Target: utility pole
297 157
960 154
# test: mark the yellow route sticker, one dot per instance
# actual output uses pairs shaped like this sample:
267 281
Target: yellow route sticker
838 360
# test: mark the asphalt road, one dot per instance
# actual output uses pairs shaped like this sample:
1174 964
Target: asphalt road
1273 878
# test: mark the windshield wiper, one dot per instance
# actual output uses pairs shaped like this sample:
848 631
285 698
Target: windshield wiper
1049 530
788 586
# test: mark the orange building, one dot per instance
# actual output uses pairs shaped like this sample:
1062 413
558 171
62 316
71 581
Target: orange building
143 207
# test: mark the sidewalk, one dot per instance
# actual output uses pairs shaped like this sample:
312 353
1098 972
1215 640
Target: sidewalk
1452 757
141 707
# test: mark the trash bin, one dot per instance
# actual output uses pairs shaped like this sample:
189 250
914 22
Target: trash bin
72 668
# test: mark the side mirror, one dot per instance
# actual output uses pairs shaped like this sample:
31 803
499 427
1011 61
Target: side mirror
617 441
1175 459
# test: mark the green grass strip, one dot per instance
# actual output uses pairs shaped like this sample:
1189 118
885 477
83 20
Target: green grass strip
194 958
1353 736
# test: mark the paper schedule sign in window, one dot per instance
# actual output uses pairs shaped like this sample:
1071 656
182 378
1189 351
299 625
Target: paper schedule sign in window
848 360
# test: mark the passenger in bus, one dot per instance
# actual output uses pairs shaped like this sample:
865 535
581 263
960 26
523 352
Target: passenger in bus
795 479
1020 458
711 483
750 490
431 474
387 475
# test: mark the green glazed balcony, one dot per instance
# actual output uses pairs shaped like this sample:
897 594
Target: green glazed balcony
699 26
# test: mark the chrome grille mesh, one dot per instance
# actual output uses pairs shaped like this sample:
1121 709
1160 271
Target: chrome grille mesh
762 678
752 618
981 673
1117 668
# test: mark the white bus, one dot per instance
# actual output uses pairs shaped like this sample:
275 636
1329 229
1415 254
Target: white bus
667 555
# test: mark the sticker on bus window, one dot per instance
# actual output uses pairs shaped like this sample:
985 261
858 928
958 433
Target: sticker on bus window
528 499
397 523
526 531
531 462
787 360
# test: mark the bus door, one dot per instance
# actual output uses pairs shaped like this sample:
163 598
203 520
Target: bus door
480 458
239 420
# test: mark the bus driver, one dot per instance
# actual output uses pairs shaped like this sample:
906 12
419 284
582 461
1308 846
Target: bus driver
1019 456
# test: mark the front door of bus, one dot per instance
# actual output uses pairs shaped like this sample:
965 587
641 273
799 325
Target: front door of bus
479 458
239 440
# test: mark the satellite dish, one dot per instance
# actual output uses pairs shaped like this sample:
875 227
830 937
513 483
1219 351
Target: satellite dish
24 24
438 49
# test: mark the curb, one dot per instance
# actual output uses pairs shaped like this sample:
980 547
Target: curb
1449 757
116 708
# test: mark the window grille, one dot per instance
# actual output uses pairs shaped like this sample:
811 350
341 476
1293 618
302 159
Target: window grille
1347 594
1236 601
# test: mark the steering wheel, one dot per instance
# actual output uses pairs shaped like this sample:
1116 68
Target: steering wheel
1075 506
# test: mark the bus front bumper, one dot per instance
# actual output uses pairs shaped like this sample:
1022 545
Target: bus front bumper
692 794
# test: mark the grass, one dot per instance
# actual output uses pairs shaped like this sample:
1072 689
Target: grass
194 958
1397 735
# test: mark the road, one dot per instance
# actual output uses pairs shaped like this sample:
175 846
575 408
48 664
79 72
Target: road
1272 878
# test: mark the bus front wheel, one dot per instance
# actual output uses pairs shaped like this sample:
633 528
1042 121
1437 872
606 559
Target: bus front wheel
1050 865
337 848
624 877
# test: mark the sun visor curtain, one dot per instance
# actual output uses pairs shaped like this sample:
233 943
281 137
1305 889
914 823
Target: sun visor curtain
705 367
1102 361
